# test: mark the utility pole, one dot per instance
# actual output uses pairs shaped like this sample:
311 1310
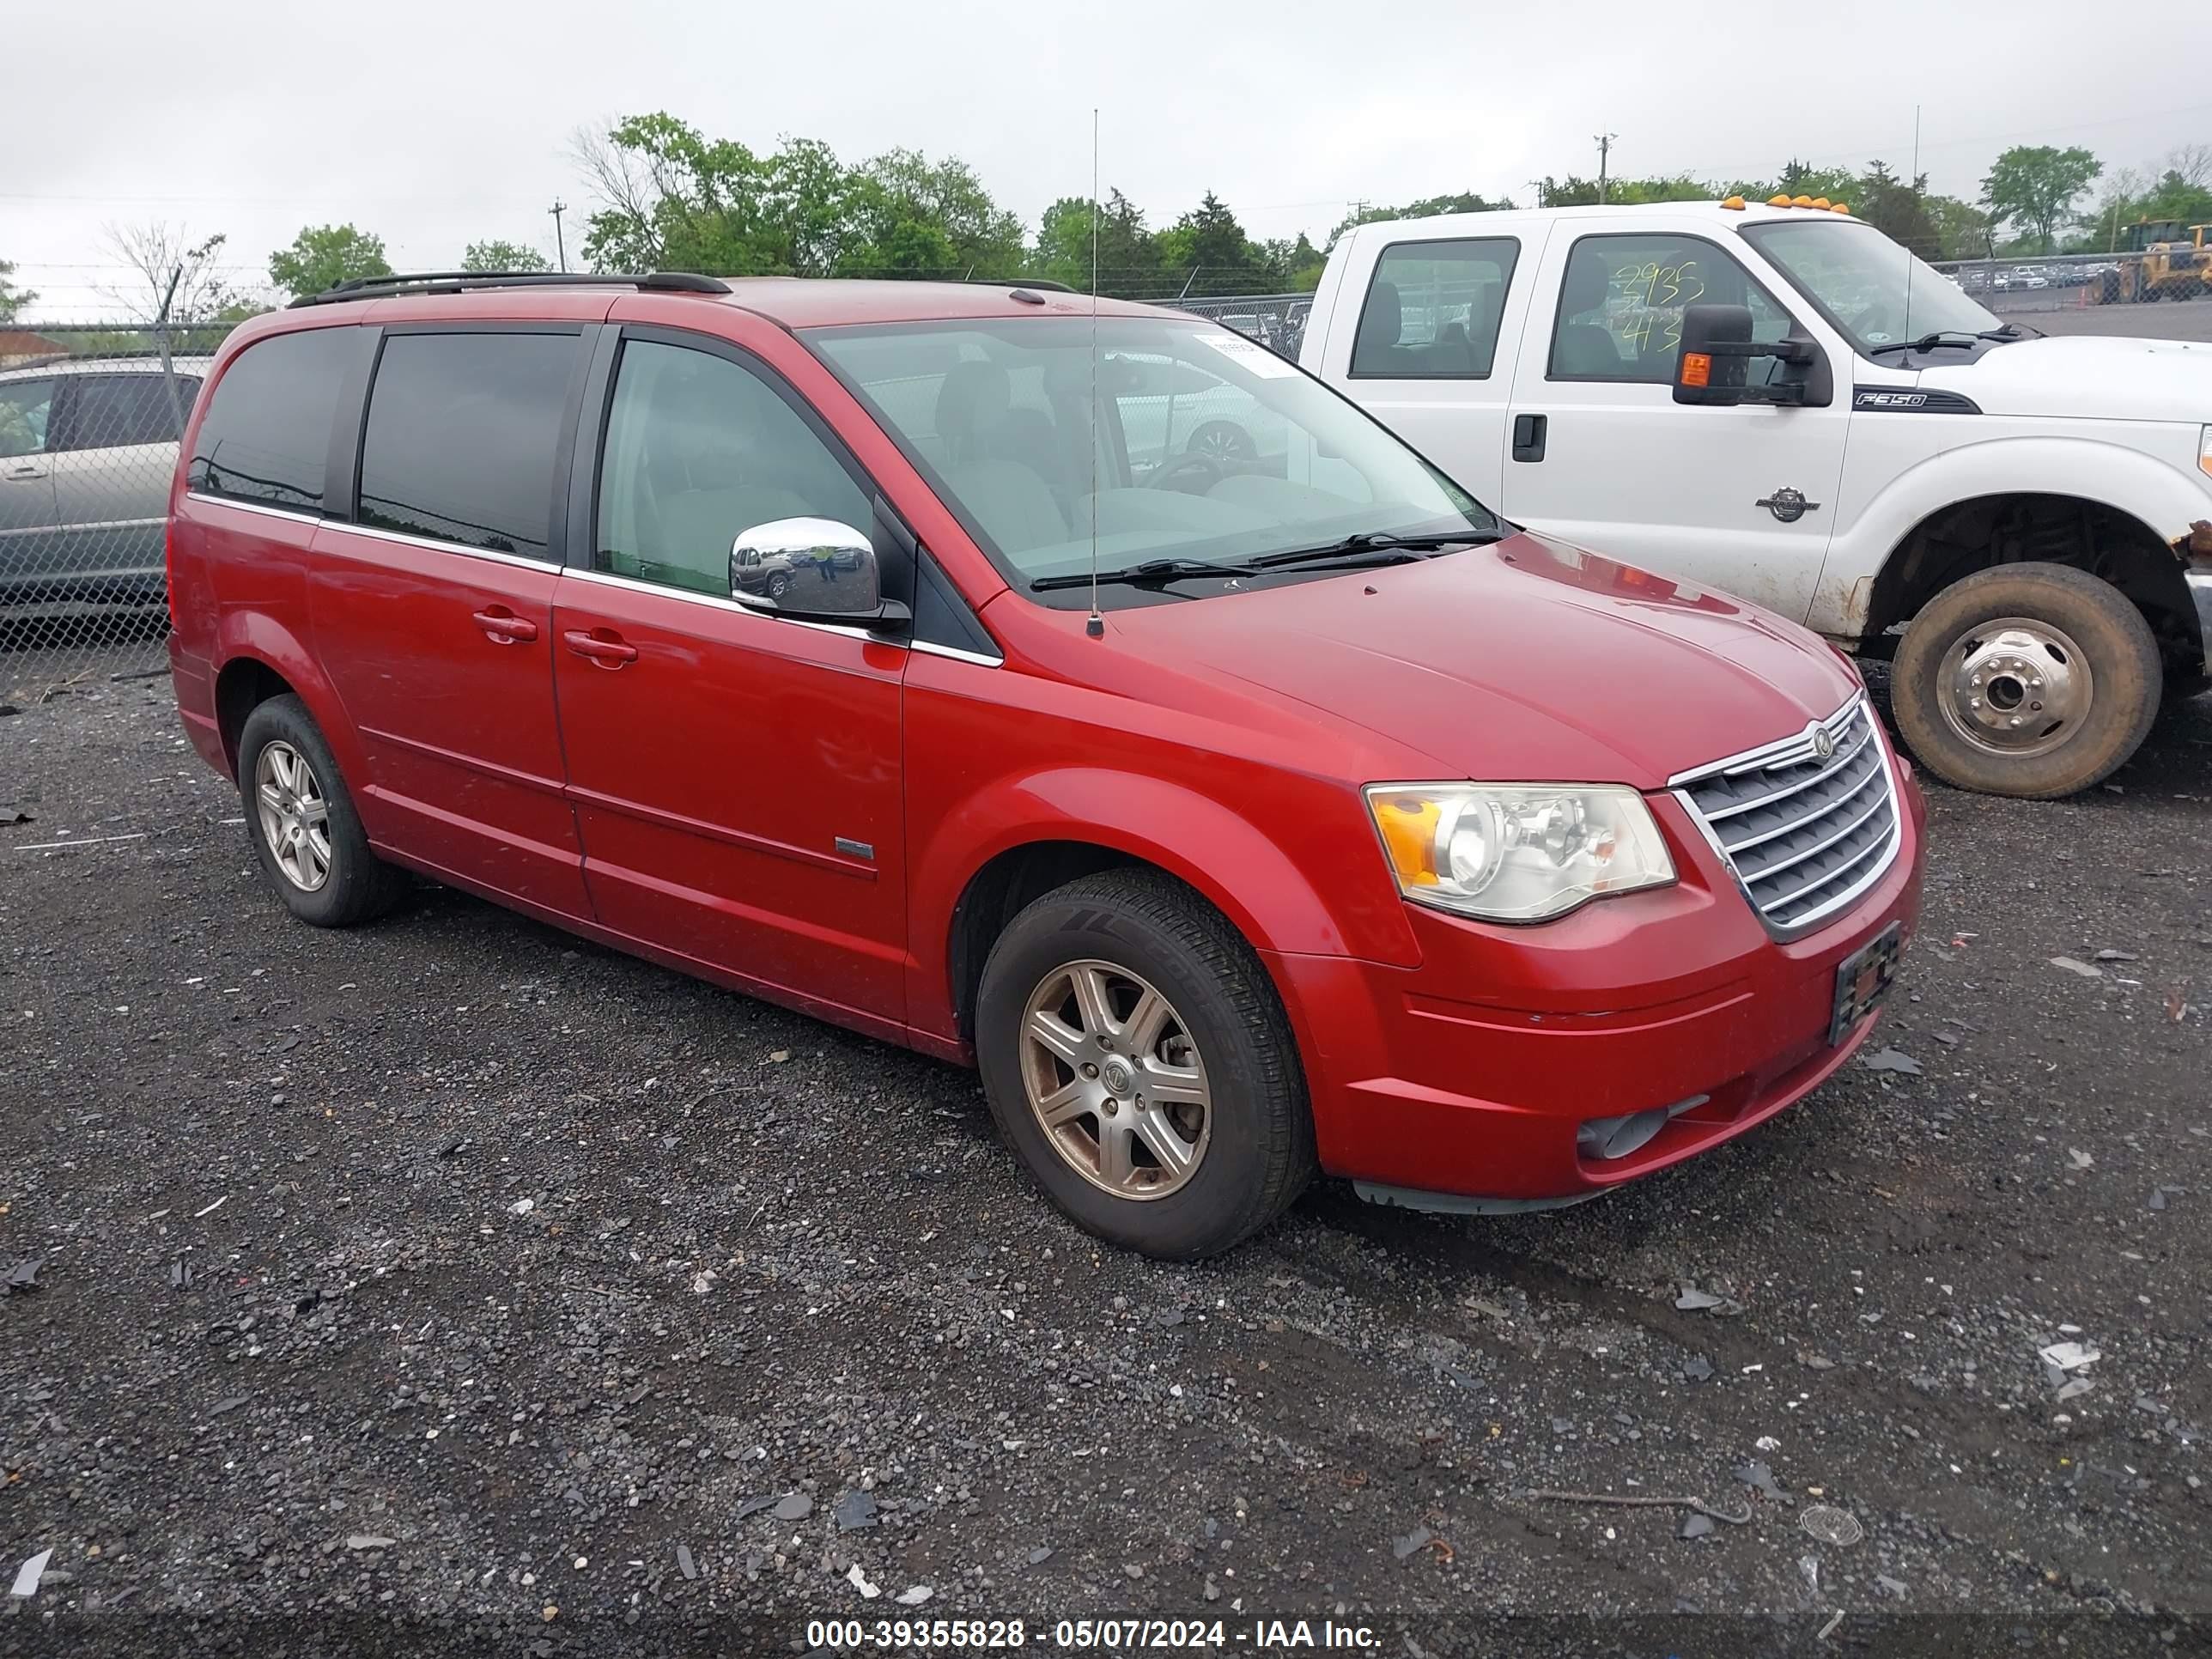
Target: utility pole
1604 154
560 247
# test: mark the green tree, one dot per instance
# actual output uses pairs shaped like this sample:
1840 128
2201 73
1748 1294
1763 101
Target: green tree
1211 244
1129 253
1575 191
2034 187
904 187
1428 207
12 299
323 256
496 255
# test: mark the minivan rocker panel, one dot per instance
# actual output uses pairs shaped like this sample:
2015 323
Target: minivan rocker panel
1141 876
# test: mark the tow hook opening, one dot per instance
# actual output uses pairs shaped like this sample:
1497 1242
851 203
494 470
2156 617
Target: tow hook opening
1606 1139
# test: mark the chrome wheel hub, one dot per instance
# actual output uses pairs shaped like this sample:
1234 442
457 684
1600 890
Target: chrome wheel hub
2015 687
294 814
1115 1079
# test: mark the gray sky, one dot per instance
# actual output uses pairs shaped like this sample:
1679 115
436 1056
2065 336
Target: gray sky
437 124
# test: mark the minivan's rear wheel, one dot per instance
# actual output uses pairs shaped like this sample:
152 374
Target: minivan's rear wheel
302 823
2034 680
1135 1053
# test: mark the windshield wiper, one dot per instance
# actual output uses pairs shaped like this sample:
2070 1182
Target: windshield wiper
1379 547
1151 570
1941 337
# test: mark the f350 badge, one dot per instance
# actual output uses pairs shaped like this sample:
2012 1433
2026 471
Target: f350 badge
1787 504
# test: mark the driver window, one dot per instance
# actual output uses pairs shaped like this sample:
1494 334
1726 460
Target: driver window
1621 304
699 450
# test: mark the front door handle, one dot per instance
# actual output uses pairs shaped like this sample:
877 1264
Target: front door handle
602 645
502 627
26 469
1529 432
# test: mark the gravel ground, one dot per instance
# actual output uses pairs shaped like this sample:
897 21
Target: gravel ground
452 1282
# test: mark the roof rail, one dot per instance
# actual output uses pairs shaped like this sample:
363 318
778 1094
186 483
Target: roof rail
1017 281
462 282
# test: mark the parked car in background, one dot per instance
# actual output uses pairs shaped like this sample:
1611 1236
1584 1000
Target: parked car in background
1233 824
2024 524
86 451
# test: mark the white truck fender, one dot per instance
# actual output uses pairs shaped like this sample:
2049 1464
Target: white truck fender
2165 500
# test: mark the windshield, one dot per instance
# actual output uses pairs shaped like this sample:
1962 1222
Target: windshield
1200 445
1865 284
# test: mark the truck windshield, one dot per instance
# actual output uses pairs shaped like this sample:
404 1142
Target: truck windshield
1183 440
1866 284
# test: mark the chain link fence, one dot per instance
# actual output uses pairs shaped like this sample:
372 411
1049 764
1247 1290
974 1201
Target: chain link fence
90 419
2163 273
1277 321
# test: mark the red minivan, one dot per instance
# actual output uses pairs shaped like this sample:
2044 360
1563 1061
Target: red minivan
1088 695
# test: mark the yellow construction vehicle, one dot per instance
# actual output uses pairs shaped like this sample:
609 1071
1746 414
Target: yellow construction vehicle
2165 259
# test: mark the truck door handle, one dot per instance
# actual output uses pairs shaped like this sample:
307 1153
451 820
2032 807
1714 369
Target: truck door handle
1529 432
602 645
26 469
502 627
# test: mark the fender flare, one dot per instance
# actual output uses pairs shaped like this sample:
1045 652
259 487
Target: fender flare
256 636
1224 855
2165 500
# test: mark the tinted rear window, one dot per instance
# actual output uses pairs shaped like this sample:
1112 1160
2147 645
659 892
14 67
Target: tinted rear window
111 410
463 430
267 435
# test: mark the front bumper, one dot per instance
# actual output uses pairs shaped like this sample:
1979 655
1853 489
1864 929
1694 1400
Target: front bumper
1472 1074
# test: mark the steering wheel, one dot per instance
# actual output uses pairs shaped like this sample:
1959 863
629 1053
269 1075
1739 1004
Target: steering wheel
1188 461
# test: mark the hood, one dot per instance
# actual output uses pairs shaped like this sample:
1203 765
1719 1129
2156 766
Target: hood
2089 377
1530 661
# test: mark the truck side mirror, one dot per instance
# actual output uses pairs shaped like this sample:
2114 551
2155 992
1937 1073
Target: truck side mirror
1704 374
1713 366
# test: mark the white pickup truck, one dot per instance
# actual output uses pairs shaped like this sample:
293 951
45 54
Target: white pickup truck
1779 402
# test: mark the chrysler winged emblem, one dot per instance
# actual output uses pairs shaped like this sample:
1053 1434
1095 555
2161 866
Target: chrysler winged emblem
1788 505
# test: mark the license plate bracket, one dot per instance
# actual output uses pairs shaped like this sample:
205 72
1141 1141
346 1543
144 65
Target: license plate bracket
1862 979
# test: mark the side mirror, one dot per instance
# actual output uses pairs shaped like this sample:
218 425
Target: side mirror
1713 366
1704 373
811 570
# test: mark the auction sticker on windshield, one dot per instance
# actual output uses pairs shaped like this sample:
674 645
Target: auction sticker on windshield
1252 356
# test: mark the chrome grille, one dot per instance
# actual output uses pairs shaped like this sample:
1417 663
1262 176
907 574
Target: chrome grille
1805 834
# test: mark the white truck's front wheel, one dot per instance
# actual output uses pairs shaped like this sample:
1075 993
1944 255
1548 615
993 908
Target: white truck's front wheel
2034 680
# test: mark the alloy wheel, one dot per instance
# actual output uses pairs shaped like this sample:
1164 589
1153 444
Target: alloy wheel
1115 1080
295 815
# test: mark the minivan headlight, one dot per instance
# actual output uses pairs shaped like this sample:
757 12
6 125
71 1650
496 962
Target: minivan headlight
2205 450
1517 852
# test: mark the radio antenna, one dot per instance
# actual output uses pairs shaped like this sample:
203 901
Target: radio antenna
1912 259
1096 626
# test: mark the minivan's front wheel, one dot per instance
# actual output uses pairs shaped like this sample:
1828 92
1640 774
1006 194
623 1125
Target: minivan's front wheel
302 823
1137 1057
2034 680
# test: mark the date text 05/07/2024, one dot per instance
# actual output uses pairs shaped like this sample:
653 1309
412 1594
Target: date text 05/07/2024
1262 1636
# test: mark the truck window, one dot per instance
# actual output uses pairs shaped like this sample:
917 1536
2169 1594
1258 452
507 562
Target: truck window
1432 310
1621 303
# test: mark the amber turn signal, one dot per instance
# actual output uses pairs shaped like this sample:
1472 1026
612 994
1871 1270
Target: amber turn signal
1697 369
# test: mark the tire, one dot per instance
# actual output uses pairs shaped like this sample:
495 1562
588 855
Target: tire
778 586
355 885
1256 1150
2094 646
